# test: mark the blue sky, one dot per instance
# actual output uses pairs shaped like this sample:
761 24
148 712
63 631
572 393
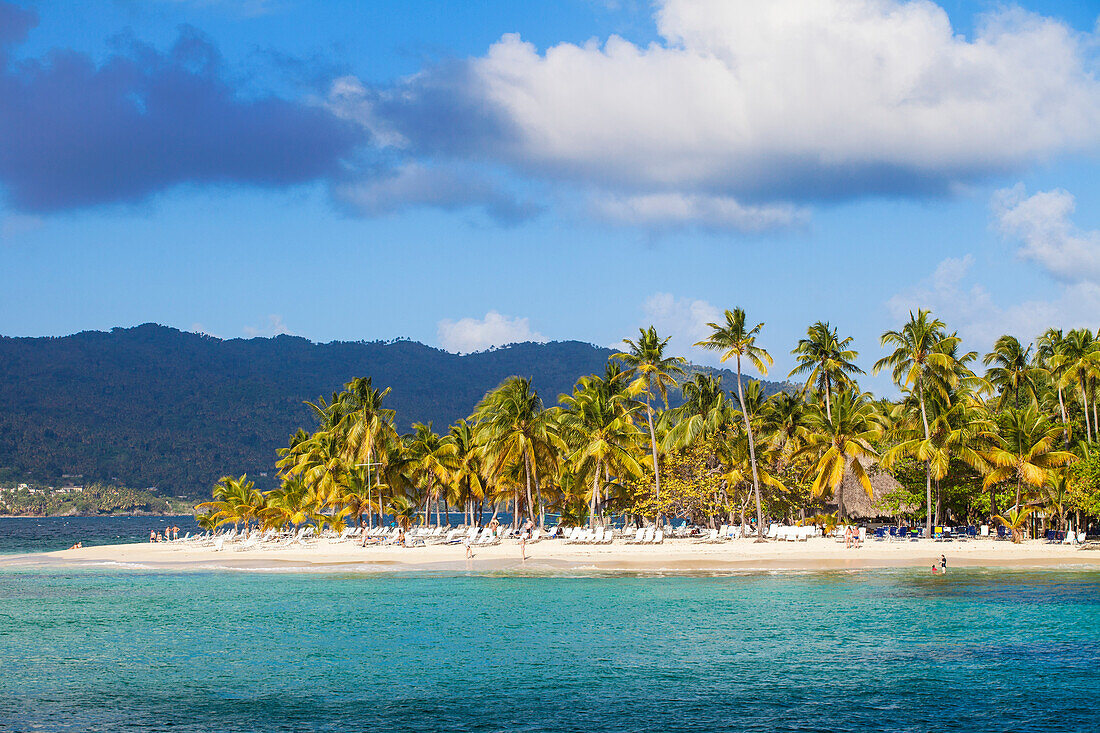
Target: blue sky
468 174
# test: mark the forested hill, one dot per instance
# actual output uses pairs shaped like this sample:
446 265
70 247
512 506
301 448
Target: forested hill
154 406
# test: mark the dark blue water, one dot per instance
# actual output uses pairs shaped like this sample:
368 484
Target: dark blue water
33 534
977 650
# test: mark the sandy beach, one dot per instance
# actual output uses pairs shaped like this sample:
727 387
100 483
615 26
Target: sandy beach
550 555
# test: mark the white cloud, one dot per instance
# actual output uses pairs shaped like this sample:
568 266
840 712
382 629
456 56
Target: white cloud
745 106
963 304
684 320
274 327
438 187
672 210
467 335
1041 223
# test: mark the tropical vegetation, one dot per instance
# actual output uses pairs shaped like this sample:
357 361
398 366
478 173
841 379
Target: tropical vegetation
1012 444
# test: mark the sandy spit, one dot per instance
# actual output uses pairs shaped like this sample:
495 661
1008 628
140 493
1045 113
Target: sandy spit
672 556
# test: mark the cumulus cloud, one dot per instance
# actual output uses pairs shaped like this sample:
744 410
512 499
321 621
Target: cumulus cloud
746 104
76 133
1042 226
674 210
467 335
274 327
964 304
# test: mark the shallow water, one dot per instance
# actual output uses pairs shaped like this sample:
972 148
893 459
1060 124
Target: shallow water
95 650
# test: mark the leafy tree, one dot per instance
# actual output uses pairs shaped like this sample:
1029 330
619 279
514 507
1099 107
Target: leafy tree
736 341
826 360
651 373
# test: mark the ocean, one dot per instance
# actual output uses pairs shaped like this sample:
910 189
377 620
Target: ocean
102 648
44 534
107 649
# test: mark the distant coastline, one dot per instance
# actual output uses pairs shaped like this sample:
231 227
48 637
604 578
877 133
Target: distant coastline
95 514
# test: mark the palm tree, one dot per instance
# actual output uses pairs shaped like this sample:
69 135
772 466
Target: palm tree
1056 499
515 432
430 456
467 470
1048 358
1011 370
599 427
651 372
366 422
1015 519
921 361
1021 448
704 412
291 503
826 360
235 499
1079 358
735 341
838 442
785 423
955 434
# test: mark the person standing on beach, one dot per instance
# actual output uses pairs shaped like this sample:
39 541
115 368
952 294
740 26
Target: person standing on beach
523 535
943 564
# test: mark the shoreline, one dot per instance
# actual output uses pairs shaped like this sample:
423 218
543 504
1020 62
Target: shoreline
673 556
96 516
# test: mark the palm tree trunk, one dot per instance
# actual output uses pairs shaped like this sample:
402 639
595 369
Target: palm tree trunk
653 446
1085 407
828 401
592 499
538 494
752 455
1095 423
927 465
530 503
1062 410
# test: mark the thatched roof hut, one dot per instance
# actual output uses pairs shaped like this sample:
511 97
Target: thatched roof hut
857 504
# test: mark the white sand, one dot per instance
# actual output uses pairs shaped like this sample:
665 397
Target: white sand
673 555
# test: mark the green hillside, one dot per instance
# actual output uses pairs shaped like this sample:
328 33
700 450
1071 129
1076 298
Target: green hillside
154 406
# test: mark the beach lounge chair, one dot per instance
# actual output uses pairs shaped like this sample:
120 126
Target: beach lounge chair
710 538
553 533
637 537
658 537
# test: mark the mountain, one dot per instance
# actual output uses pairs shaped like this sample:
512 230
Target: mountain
154 406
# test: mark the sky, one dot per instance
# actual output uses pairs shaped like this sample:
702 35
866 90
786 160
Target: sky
471 174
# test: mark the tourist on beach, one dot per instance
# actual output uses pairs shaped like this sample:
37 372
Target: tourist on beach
175 533
943 564
152 535
469 546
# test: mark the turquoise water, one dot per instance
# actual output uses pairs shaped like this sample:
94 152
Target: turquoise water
102 650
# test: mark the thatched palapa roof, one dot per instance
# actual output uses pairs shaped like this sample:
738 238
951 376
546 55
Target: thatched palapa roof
857 504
